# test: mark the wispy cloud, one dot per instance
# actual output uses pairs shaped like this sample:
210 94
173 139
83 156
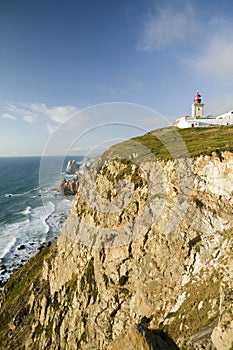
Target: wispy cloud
209 43
166 25
214 60
29 119
39 114
8 116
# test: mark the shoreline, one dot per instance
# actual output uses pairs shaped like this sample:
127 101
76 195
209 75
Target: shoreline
16 268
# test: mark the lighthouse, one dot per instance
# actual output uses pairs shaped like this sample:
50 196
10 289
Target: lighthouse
197 107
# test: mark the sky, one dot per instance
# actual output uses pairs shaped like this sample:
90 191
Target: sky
77 74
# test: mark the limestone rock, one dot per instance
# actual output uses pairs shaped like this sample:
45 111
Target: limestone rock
141 338
72 166
67 187
144 244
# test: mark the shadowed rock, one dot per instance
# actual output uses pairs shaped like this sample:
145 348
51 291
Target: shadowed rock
67 188
142 338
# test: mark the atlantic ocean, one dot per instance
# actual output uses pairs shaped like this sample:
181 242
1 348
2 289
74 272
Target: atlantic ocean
30 215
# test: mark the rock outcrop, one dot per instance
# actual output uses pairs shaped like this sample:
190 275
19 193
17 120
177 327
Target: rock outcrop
72 166
143 261
140 337
67 187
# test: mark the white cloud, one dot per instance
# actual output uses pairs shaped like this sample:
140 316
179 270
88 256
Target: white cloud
28 118
208 44
40 114
57 114
8 116
60 113
172 23
214 61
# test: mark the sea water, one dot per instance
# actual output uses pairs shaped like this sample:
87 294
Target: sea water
30 214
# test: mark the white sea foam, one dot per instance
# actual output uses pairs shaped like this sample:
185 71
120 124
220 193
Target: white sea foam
34 229
16 194
21 239
27 211
7 247
55 220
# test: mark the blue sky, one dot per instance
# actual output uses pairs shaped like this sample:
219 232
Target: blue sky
58 57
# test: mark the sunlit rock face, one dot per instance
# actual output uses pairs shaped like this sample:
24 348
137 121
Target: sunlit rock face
143 261
72 166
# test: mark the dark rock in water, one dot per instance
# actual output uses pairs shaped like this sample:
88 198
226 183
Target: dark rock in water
72 167
21 247
67 188
2 283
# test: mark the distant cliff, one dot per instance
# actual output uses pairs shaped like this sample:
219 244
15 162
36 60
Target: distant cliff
143 261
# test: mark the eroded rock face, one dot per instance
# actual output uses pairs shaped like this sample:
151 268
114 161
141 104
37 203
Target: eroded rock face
67 187
140 337
143 244
72 166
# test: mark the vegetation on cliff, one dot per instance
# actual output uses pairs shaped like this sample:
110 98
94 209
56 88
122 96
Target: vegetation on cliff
170 143
164 268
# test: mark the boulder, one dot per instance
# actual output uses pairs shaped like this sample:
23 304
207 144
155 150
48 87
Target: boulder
67 187
72 166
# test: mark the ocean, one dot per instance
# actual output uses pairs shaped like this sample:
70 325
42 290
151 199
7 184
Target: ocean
31 214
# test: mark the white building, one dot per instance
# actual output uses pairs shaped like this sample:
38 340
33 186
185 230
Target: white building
226 116
198 118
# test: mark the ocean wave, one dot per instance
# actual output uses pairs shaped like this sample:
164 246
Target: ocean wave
34 228
20 240
8 246
16 194
27 211
9 195
36 189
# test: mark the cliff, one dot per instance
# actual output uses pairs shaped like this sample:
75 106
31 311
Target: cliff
143 261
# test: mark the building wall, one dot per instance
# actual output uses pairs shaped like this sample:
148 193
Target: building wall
184 123
228 115
198 110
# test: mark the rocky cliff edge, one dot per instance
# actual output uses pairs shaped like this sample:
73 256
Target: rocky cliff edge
144 261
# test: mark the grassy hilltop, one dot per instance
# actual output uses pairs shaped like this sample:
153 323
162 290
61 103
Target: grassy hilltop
171 142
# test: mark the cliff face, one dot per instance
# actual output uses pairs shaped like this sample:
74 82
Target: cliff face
144 261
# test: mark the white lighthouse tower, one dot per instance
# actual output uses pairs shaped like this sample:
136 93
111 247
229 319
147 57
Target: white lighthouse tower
197 107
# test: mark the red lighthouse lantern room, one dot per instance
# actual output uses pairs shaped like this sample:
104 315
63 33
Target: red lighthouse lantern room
197 98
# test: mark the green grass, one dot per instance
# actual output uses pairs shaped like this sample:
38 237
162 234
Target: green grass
22 279
171 143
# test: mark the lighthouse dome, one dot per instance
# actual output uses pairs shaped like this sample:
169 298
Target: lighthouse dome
197 98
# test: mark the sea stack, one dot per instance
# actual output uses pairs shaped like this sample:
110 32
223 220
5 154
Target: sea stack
72 166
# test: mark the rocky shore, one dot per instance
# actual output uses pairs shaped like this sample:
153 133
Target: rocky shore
67 187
